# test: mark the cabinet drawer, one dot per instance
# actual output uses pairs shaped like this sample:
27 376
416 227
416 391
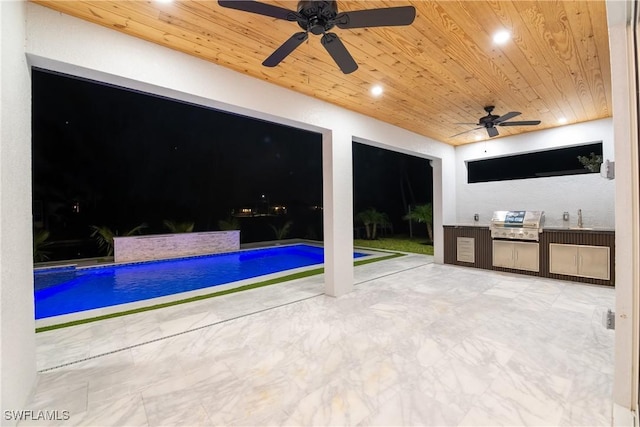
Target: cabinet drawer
466 249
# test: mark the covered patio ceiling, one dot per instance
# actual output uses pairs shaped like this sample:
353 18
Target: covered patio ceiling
441 70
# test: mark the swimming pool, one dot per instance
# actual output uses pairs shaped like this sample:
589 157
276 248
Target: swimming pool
60 291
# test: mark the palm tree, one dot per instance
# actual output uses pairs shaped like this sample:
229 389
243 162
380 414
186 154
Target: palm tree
281 232
231 223
423 214
371 218
39 242
179 227
104 236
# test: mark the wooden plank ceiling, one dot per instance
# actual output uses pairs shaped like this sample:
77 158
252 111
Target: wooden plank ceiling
441 70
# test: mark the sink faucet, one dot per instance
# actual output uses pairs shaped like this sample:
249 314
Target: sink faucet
580 218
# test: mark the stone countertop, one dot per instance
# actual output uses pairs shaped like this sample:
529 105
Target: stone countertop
467 225
583 229
550 229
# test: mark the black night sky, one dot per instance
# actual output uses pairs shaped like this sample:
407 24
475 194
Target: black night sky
126 158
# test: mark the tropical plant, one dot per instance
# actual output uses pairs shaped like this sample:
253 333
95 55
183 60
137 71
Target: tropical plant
424 215
179 227
39 243
230 223
282 232
371 218
104 236
592 162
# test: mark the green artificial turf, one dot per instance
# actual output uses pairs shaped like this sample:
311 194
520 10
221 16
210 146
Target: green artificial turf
402 244
286 278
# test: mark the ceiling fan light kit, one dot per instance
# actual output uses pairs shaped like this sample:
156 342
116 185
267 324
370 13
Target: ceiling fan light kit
318 17
490 121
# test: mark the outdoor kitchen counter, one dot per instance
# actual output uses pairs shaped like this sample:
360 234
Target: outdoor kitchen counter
583 229
483 248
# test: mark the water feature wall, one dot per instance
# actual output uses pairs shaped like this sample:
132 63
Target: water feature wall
162 246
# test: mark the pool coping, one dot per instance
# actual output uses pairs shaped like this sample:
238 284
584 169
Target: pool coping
94 315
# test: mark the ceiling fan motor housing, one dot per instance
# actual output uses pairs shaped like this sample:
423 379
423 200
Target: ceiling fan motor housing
488 120
319 15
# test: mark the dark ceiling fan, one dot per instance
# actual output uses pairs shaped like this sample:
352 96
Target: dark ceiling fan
490 121
318 17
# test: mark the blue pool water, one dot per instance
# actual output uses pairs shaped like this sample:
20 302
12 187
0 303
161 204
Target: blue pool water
67 290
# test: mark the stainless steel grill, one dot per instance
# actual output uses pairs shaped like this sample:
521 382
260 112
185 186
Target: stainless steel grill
517 225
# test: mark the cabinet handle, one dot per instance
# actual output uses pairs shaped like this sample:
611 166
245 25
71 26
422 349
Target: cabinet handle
516 252
575 260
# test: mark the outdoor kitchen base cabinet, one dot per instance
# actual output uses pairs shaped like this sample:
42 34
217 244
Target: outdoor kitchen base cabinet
517 255
579 260
596 268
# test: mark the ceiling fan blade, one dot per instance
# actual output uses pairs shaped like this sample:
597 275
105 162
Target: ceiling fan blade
260 9
339 53
385 17
466 131
492 132
507 116
285 49
520 123
472 124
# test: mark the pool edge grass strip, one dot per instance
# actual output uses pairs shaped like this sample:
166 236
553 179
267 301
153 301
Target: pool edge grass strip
264 283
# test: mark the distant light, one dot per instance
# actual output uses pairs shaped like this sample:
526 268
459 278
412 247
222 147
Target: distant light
164 1
376 90
562 120
501 37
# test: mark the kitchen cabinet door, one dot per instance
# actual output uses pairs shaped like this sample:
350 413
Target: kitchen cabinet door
517 255
503 254
563 259
526 256
594 262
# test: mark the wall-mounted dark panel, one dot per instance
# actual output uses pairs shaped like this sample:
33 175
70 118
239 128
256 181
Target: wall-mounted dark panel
561 161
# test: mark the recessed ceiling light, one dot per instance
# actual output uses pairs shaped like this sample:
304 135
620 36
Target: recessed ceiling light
501 37
562 120
164 1
478 137
376 90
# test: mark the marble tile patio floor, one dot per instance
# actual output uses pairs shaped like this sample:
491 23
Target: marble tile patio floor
416 343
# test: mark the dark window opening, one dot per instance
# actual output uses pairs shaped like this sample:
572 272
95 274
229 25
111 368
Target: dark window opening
116 158
561 161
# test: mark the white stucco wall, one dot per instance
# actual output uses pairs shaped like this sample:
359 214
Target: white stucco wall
553 195
17 325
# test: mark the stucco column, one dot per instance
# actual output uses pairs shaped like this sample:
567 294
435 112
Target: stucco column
438 209
337 172
444 201
625 382
17 324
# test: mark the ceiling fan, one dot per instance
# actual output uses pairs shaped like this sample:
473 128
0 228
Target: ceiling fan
318 17
490 121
